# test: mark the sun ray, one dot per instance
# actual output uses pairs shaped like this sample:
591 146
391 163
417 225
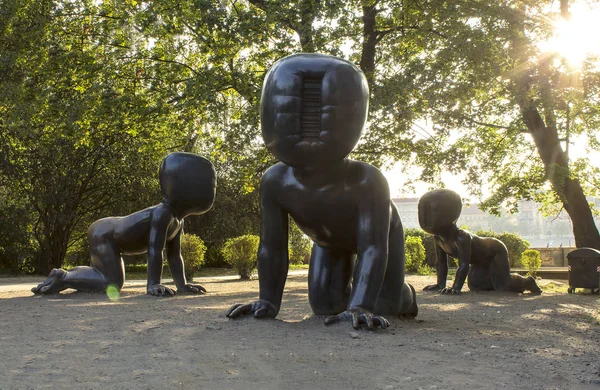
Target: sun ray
576 38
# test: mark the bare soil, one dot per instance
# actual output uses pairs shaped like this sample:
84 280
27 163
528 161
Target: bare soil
472 341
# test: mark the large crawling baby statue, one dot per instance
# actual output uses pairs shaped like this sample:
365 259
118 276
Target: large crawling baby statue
313 110
188 184
483 259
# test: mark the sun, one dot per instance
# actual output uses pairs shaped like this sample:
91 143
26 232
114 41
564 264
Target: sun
578 37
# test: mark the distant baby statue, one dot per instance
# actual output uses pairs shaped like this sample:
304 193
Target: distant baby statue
313 110
483 259
188 184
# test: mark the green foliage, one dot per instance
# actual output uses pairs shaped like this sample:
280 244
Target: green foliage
299 245
192 251
427 241
240 252
515 244
414 253
94 93
531 260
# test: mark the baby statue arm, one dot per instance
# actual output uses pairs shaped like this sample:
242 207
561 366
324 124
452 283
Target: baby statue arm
161 219
177 267
464 260
272 258
371 263
441 267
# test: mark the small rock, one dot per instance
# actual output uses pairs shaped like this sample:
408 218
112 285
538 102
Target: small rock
354 335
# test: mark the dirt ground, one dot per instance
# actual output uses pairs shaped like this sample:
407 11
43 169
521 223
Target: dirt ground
472 341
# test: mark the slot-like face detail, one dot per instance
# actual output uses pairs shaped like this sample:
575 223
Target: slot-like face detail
313 109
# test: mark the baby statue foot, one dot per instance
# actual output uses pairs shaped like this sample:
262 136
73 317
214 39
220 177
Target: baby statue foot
53 283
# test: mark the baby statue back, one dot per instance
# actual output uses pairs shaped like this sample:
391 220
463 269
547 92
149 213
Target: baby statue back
313 110
188 185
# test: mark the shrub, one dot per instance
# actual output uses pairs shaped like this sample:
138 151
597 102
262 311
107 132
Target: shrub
299 245
241 252
427 240
192 251
414 253
514 243
531 260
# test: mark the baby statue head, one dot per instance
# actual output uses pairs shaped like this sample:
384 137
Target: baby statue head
188 183
439 210
313 109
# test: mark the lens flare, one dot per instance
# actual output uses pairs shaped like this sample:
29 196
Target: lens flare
112 291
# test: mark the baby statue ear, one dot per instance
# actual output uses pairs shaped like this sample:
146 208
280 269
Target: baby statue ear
188 182
313 109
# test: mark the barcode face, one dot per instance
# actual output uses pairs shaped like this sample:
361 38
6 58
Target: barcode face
598 269
311 108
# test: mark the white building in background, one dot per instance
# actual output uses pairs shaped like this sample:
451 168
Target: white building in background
529 222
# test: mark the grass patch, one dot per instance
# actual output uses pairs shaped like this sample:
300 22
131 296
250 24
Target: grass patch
555 288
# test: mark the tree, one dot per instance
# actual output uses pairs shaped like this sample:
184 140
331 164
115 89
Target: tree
79 136
498 105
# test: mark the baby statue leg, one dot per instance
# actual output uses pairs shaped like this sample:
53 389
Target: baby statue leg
480 278
500 271
396 297
81 278
107 268
53 284
329 275
503 280
520 283
106 261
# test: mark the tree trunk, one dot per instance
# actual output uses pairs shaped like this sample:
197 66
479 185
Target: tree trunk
305 29
52 254
53 241
369 45
557 171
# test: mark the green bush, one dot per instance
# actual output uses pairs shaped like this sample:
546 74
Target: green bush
299 245
427 240
531 260
515 244
241 252
214 255
414 253
192 251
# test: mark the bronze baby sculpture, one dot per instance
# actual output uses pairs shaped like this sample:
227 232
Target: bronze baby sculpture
483 259
313 110
188 184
